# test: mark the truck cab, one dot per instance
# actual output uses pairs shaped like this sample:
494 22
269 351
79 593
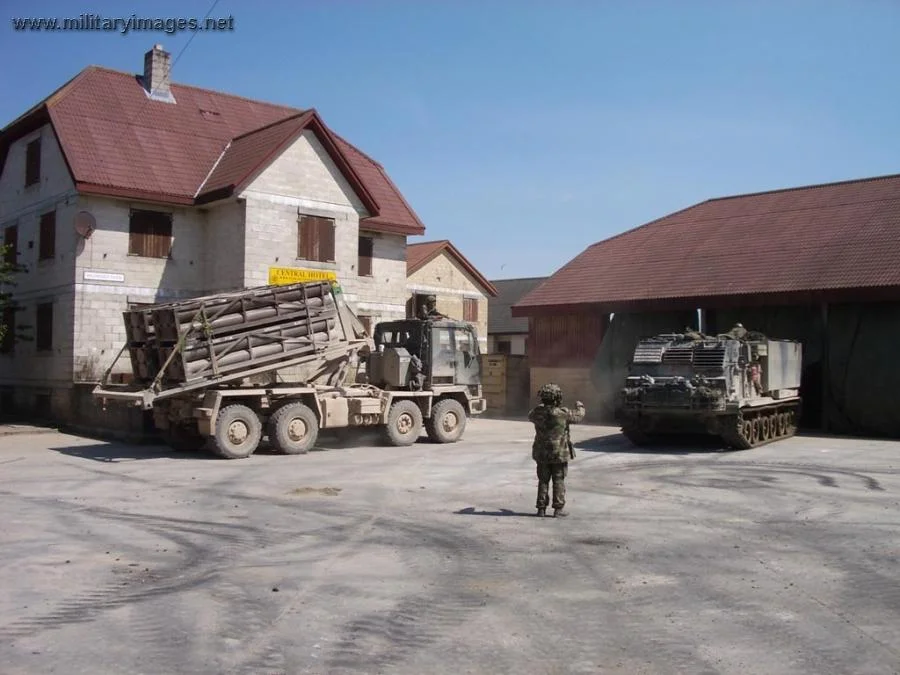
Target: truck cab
425 355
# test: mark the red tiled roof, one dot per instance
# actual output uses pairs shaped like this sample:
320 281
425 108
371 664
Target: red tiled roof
820 239
118 142
419 254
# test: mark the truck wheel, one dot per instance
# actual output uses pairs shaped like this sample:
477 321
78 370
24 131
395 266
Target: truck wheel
447 422
404 423
238 432
293 429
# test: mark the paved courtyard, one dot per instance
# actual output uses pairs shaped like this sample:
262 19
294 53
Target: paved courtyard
360 558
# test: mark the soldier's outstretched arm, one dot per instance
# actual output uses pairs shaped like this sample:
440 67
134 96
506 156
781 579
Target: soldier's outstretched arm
577 415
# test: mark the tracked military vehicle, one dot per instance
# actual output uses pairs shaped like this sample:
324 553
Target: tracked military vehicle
744 389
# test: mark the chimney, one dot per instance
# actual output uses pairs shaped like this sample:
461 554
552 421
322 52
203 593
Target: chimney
156 74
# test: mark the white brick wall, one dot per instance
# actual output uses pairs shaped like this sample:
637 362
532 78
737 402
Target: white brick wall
304 180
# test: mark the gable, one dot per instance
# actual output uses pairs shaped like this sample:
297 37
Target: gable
444 271
304 169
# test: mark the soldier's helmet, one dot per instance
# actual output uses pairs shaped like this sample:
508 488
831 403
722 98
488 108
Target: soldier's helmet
550 394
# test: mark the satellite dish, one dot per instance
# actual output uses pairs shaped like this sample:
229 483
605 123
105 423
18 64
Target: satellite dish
85 224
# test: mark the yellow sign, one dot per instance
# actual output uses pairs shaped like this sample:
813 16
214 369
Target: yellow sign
282 276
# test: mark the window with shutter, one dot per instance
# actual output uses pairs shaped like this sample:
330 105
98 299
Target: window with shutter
11 244
44 327
470 309
315 238
33 162
366 250
150 234
47 244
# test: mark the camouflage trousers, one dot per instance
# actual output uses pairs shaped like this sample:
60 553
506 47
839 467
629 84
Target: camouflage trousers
557 473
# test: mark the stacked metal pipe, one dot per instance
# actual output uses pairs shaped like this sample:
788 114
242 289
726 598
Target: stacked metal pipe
221 334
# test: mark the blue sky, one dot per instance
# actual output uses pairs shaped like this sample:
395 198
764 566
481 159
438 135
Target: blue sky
525 131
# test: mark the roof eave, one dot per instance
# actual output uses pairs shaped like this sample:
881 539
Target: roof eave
133 193
768 299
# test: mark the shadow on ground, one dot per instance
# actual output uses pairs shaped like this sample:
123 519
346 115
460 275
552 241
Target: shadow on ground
472 511
123 452
674 444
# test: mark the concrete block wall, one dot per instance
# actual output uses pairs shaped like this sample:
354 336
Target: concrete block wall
305 181
99 331
450 283
223 247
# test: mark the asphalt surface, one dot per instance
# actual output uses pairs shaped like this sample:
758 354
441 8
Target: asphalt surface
428 559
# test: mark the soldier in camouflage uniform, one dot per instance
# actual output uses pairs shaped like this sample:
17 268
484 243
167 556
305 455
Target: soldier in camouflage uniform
552 447
429 309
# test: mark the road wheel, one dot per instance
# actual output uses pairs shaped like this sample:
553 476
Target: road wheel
765 428
754 431
184 438
238 432
447 422
293 429
404 423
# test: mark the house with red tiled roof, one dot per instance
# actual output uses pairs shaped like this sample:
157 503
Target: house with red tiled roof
461 291
819 264
120 189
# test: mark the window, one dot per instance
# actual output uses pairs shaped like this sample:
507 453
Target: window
504 346
366 249
11 241
9 334
150 234
33 162
47 244
315 238
470 309
44 327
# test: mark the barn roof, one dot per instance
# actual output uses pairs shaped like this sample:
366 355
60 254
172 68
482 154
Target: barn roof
207 145
835 240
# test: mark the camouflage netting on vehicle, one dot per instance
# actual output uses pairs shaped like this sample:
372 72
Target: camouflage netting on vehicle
611 364
863 368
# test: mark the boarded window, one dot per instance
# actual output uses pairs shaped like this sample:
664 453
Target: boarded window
11 244
44 327
315 238
366 250
9 332
150 234
47 247
470 309
33 162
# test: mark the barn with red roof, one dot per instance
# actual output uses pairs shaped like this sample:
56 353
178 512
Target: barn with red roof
820 264
120 189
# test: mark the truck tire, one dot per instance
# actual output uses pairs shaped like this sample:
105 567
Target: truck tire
238 432
404 423
293 429
447 422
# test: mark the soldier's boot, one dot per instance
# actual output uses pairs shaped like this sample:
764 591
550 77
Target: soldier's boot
541 513
560 513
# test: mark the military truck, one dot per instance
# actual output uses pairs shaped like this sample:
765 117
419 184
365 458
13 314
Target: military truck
223 371
746 389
